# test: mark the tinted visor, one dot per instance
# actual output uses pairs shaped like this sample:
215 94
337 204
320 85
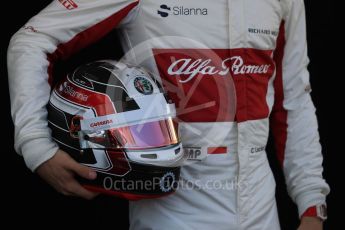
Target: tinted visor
142 136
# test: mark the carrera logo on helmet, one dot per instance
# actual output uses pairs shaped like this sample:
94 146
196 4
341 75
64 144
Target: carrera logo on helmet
65 88
101 123
69 4
143 85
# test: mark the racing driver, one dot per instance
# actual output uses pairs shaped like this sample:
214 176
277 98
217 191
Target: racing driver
206 53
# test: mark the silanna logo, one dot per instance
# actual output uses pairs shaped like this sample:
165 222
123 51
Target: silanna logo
165 10
69 90
69 4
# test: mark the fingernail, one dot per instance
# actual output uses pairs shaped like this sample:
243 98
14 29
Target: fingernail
92 175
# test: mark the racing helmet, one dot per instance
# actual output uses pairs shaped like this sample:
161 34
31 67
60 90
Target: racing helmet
116 119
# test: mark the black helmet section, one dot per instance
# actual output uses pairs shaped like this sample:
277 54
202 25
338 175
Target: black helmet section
100 77
60 124
140 183
97 76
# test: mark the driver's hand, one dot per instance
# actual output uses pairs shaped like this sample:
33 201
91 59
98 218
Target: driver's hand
59 172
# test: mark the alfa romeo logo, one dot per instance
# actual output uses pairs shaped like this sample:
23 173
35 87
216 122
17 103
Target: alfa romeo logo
143 85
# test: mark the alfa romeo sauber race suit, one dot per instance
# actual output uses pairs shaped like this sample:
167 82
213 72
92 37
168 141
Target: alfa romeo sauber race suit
233 67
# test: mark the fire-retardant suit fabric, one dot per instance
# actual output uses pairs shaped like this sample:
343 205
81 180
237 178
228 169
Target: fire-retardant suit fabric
233 67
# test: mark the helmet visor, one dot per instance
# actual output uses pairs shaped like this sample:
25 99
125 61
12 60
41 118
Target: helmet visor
141 136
